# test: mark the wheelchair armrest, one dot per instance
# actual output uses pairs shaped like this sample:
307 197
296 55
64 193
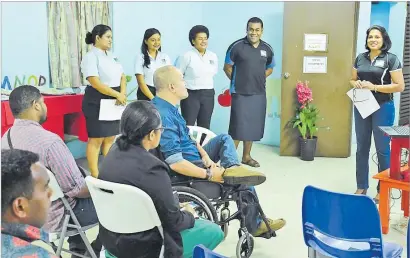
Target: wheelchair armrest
212 190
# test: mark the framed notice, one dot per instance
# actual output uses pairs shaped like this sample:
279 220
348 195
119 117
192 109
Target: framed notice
315 42
315 64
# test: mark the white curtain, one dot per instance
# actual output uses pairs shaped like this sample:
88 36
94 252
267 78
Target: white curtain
68 22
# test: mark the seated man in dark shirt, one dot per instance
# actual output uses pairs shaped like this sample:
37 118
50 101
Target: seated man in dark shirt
189 159
25 200
130 162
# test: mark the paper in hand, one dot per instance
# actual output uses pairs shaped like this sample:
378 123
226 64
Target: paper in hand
364 101
109 111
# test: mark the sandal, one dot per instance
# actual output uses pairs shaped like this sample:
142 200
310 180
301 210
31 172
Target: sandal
251 162
376 199
363 191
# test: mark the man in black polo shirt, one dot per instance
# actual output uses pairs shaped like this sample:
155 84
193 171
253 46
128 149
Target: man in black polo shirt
247 64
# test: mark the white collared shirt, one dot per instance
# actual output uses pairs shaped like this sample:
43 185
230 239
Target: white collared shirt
104 65
198 70
160 61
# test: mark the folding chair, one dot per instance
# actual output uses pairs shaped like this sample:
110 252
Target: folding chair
196 132
343 225
201 251
64 232
112 203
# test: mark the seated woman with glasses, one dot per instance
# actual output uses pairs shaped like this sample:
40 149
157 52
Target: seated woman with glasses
130 162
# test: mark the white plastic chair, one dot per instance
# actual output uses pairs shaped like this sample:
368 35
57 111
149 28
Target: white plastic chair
64 232
112 203
196 132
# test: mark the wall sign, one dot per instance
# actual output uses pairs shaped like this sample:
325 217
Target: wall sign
315 64
315 42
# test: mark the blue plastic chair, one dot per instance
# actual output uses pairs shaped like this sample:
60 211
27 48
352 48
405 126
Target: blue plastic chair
201 251
343 226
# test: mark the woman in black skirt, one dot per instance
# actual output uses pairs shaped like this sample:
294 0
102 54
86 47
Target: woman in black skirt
147 62
107 81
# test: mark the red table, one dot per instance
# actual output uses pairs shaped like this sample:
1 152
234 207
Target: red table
397 144
64 115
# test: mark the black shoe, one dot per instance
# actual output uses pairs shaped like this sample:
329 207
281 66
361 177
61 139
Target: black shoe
364 191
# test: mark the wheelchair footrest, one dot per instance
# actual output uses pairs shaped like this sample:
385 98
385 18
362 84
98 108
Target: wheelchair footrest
268 235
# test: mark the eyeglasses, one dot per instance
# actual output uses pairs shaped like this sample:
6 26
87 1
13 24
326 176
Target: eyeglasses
161 129
354 97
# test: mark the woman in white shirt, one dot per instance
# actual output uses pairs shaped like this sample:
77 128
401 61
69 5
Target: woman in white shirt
199 66
107 81
150 59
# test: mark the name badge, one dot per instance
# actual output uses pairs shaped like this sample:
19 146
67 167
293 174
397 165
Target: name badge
211 62
379 63
263 53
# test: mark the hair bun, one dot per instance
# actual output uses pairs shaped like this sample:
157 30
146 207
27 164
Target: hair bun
122 142
89 38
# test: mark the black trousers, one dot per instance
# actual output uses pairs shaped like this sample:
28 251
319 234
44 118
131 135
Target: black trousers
85 212
198 107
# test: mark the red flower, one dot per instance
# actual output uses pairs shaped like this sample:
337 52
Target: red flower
304 93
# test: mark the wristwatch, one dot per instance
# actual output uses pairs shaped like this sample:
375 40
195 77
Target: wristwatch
208 174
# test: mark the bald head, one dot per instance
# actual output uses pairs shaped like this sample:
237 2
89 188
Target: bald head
165 76
170 84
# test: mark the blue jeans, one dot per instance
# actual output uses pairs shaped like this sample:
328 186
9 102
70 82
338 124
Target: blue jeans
222 148
364 128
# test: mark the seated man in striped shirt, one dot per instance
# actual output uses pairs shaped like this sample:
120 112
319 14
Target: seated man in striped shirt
30 111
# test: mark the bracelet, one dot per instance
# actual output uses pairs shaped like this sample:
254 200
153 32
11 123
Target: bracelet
209 175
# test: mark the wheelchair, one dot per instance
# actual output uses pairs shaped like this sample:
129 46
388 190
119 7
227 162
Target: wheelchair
211 200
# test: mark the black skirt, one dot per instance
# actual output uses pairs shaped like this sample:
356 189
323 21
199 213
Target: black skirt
91 110
248 112
141 95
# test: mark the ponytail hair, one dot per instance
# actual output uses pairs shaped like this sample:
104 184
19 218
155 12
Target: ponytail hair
98 30
144 48
137 121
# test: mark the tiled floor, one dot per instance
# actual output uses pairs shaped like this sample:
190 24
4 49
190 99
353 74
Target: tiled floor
281 197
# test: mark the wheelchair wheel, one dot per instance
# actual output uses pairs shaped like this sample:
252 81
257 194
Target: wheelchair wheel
244 248
203 207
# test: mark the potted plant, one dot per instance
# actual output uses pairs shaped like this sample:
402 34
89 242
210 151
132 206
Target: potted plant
305 120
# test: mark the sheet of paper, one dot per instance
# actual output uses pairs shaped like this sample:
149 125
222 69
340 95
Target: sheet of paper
315 64
109 111
315 42
364 101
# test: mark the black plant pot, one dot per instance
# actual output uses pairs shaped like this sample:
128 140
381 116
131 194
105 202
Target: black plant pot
307 148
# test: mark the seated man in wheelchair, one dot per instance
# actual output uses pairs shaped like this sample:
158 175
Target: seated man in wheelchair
189 160
129 162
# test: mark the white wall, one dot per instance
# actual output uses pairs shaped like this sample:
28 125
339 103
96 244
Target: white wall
226 22
365 10
397 22
24 47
